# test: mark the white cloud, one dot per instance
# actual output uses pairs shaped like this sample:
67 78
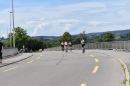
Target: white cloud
42 19
30 23
95 23
2 21
75 18
67 27
4 35
66 21
38 28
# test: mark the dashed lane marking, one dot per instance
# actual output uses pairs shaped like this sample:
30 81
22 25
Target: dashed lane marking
38 57
96 60
30 61
10 69
83 85
95 69
91 55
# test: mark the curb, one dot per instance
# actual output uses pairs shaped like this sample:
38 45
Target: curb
16 61
10 56
127 76
126 72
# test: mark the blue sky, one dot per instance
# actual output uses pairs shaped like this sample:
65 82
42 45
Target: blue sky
54 17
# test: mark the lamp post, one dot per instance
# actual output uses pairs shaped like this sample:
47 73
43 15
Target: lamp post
13 24
10 31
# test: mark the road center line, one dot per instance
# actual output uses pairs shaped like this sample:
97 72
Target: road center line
38 57
96 60
10 69
91 55
30 61
83 85
95 69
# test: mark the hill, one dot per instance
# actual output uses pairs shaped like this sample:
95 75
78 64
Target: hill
118 33
113 32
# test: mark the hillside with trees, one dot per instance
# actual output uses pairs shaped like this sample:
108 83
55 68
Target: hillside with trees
41 42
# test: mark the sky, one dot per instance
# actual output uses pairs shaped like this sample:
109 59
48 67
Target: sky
54 17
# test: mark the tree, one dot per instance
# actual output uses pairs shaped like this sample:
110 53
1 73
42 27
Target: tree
35 44
21 37
129 38
65 37
7 42
77 40
108 37
96 40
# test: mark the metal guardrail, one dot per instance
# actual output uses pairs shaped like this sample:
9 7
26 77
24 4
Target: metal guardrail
115 45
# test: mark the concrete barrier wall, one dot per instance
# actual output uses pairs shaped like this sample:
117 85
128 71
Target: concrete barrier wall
116 45
9 51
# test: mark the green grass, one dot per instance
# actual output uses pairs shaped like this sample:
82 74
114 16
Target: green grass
124 81
122 65
129 70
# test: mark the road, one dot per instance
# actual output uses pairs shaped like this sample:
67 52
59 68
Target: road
64 69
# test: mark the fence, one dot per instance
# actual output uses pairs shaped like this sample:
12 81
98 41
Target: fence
115 45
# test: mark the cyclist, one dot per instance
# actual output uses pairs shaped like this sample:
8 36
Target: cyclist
70 45
62 46
83 45
66 46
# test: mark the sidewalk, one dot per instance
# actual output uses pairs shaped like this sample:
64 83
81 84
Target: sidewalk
15 59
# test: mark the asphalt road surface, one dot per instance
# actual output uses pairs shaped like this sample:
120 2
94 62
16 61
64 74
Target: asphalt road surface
58 68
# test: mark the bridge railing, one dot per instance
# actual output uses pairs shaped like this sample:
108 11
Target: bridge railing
114 45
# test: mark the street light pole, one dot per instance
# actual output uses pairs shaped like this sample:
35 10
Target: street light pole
13 24
10 31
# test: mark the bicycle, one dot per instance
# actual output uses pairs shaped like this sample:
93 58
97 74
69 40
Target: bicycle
83 49
66 49
62 49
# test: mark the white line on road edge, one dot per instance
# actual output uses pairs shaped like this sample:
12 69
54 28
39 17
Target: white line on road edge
10 69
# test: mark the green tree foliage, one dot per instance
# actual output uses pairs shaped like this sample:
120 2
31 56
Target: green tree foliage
35 44
65 37
21 38
50 44
7 42
78 39
129 38
96 40
108 37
